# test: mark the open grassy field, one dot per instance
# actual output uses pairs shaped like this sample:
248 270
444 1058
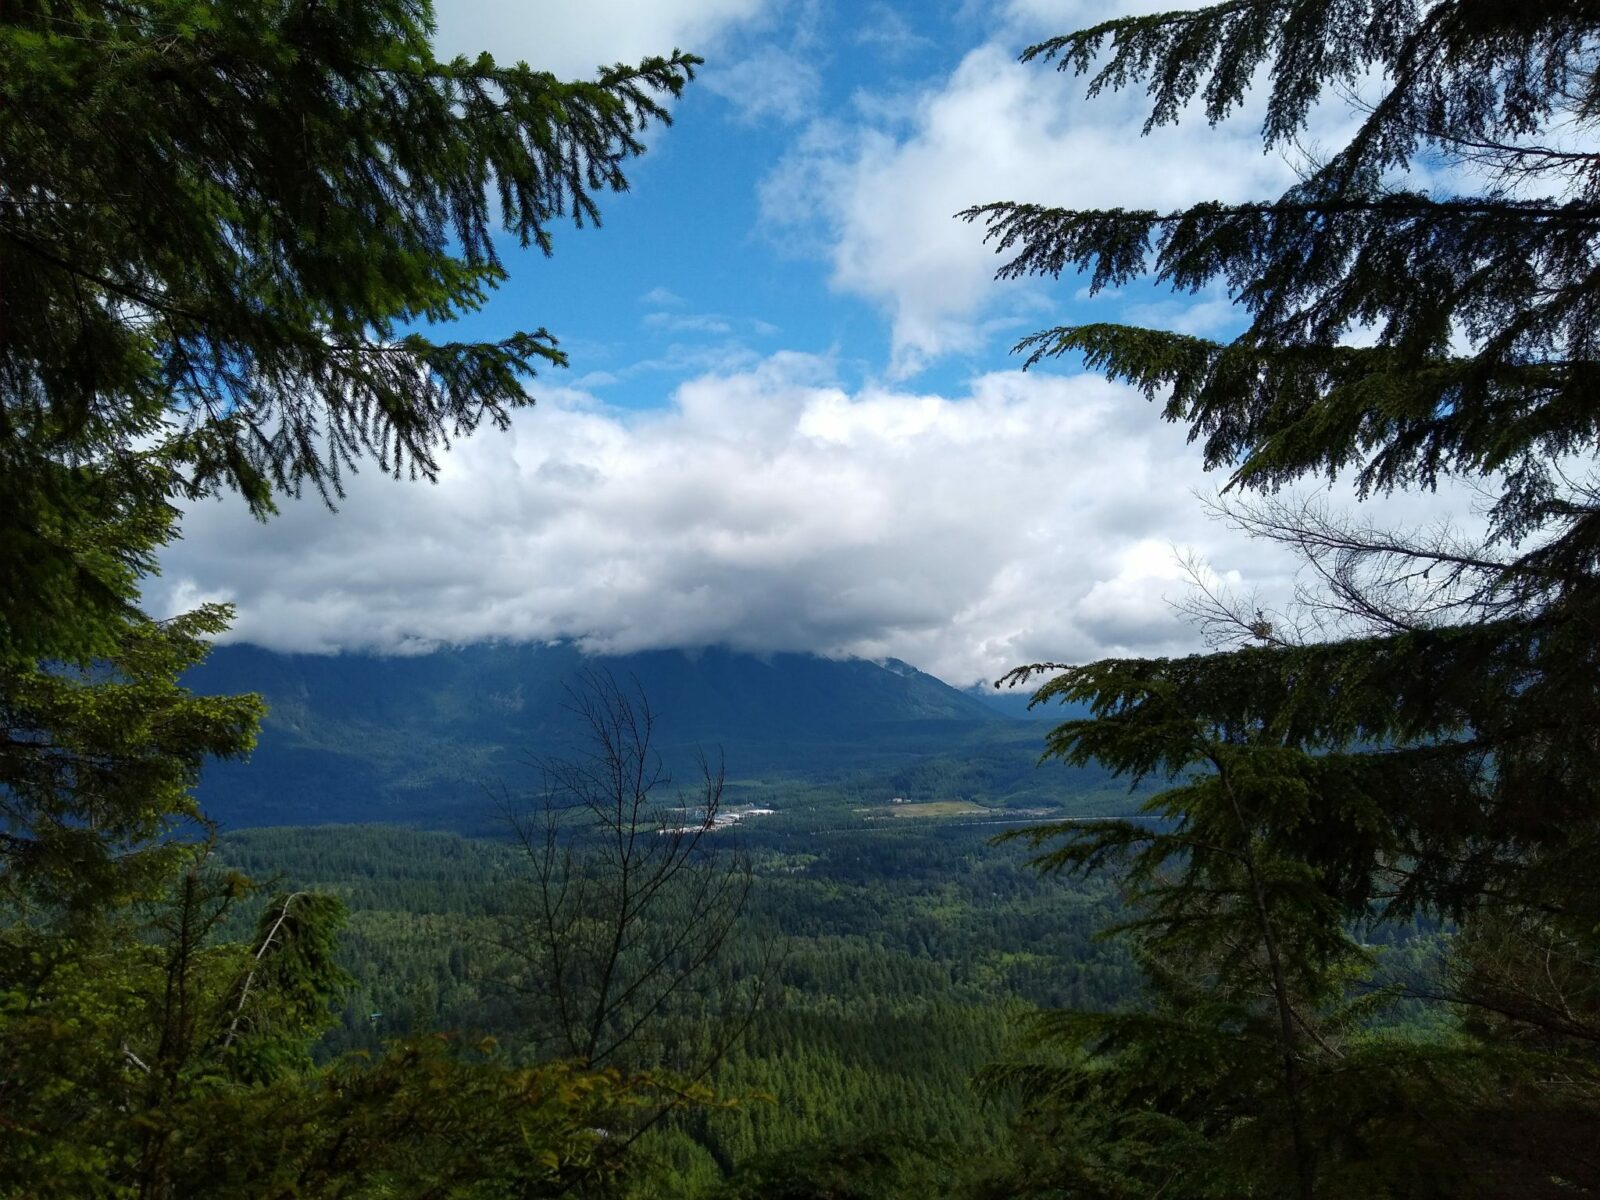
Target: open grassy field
934 808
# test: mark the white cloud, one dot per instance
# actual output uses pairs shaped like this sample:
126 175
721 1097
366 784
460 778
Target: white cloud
688 322
888 31
711 324
573 37
769 82
768 509
877 198
660 297
1045 17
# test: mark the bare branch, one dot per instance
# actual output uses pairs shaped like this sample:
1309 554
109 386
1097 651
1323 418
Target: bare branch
631 892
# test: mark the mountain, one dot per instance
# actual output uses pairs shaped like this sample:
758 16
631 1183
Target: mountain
428 739
1013 703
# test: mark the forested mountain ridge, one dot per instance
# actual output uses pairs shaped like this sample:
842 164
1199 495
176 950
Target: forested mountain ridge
424 738
715 693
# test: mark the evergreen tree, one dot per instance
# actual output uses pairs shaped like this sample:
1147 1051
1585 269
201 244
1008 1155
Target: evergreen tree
221 220
218 224
1431 749
169 1062
222 225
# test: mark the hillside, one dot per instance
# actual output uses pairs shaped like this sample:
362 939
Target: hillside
426 739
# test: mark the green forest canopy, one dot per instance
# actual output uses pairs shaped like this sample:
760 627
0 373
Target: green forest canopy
221 225
1428 750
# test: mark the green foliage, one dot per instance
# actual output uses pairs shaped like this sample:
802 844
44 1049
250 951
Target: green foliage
292 961
423 1119
224 218
109 1034
76 540
843 1171
97 763
222 226
168 1061
1430 754
911 953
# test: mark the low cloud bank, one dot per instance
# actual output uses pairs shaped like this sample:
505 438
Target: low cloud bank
770 510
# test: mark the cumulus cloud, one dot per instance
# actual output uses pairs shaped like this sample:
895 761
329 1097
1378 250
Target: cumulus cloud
573 37
766 506
876 195
767 509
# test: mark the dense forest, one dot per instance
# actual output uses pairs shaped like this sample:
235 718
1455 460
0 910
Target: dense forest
910 957
906 955
1310 914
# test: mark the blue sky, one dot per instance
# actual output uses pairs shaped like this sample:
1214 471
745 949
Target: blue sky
792 421
743 234
704 262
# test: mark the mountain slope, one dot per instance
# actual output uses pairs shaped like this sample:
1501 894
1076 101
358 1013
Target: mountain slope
426 739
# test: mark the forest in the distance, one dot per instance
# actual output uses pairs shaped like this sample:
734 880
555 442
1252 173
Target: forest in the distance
1311 913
